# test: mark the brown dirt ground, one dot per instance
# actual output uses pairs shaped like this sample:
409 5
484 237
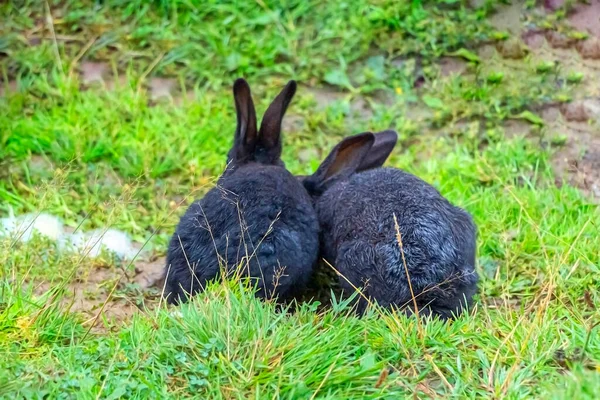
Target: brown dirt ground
107 296
577 161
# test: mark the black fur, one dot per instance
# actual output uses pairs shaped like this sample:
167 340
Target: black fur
258 221
359 237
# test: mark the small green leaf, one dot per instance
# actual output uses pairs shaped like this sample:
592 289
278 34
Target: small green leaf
466 54
544 67
495 77
265 19
500 35
377 66
579 35
531 117
559 140
118 393
433 102
337 77
575 77
367 361
233 61
563 97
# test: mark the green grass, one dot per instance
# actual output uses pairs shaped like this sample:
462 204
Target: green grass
265 39
100 158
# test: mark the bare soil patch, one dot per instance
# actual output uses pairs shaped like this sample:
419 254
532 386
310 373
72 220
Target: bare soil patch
578 161
107 296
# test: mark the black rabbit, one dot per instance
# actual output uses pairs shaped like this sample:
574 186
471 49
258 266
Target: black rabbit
357 203
258 221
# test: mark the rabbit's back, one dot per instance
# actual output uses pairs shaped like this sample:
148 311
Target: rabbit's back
259 219
359 233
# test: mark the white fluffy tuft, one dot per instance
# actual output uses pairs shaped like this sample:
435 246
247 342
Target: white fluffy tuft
90 244
93 243
23 227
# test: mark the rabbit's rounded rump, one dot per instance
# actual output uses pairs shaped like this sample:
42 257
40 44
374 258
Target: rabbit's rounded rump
257 221
359 237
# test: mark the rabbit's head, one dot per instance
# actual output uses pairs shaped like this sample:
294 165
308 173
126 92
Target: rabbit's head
353 154
252 145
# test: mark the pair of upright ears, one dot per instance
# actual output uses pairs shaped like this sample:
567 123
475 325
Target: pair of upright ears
353 154
262 145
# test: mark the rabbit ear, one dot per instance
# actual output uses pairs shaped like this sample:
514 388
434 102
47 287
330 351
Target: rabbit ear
343 161
270 128
245 132
381 150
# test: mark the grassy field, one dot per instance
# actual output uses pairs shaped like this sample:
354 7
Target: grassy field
119 114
